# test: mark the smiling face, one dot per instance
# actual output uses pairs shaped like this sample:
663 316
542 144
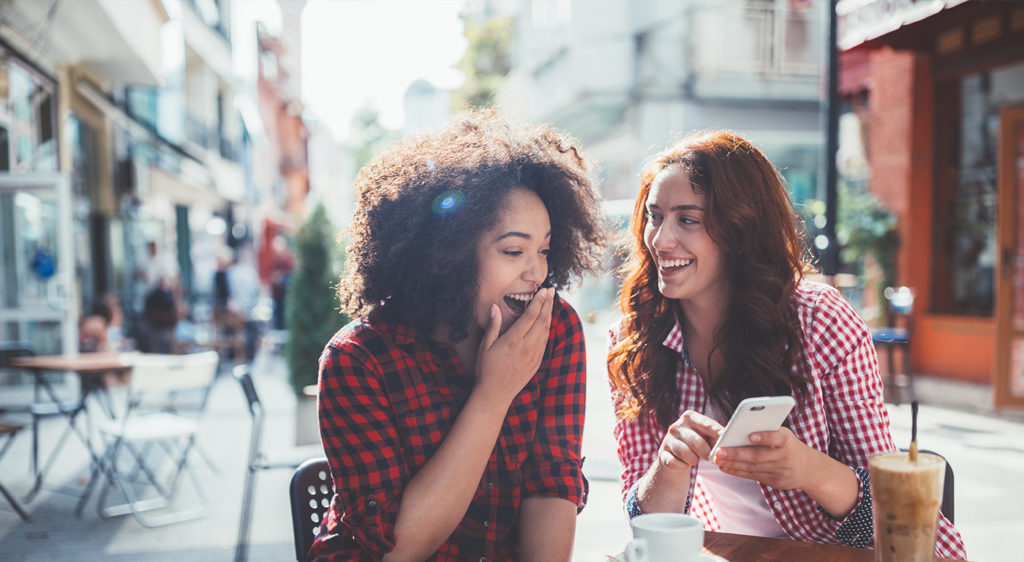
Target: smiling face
690 265
512 258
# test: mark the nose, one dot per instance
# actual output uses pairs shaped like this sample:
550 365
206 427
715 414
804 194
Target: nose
536 271
661 239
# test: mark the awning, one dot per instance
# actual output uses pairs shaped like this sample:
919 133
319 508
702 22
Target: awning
859 21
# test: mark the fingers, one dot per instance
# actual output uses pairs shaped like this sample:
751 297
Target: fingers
531 315
493 328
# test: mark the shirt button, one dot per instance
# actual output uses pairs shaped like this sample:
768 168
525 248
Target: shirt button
372 503
483 559
487 523
490 485
778 505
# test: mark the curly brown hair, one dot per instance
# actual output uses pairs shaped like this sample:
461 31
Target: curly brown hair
424 203
751 218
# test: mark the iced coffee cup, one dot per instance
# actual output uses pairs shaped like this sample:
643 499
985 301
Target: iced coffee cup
905 498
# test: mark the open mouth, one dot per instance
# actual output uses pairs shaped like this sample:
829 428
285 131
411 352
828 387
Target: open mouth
517 302
673 265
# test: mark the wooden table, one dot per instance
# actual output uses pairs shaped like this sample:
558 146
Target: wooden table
89 367
743 548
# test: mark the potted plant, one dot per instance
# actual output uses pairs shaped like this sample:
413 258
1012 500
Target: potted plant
312 313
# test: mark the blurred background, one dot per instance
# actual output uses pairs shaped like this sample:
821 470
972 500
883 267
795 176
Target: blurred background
168 167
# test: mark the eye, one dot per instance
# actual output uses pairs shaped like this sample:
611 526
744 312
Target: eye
653 217
513 253
688 221
545 252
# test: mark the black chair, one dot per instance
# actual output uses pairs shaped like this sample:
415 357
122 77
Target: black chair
896 336
258 460
947 505
10 430
311 491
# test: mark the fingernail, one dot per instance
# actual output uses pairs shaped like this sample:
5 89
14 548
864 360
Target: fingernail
721 455
755 438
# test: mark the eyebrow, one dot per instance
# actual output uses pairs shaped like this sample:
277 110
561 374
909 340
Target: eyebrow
679 207
516 234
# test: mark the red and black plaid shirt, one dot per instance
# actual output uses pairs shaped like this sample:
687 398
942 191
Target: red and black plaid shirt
387 400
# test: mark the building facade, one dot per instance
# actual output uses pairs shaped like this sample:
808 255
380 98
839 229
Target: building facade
940 91
117 132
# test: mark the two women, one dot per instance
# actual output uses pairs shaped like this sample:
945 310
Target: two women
452 410
716 310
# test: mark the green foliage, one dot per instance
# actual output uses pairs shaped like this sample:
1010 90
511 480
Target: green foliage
312 309
486 61
369 135
864 226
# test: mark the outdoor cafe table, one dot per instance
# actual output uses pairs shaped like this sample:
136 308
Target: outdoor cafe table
89 367
743 548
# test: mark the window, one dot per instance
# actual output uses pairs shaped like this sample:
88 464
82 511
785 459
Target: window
964 237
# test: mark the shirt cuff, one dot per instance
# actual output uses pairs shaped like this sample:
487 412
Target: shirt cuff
632 506
857 528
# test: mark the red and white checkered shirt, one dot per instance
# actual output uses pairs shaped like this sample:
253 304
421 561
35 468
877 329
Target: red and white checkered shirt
388 399
843 416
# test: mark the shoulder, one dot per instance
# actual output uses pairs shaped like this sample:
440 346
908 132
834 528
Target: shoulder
565 322
824 311
360 341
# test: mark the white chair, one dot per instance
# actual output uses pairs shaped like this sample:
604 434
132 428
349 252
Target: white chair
141 426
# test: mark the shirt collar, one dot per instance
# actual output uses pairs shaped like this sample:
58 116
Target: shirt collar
674 339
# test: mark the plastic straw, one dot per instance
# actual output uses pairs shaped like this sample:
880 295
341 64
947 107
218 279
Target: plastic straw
913 431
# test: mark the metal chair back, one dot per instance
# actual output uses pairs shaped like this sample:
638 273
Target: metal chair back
311 491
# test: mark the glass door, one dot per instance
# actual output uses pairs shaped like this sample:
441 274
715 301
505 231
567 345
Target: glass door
38 300
1009 376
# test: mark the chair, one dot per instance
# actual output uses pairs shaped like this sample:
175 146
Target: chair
311 491
947 506
258 460
139 428
10 430
896 336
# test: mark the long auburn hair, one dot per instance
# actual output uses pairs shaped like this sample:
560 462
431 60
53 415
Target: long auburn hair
750 217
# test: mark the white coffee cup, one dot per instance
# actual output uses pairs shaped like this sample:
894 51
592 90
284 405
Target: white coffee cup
663 537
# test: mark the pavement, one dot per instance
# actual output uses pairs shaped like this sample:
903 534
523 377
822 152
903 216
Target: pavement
984 447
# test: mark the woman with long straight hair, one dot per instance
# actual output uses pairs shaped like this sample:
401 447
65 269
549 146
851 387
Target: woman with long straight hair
716 310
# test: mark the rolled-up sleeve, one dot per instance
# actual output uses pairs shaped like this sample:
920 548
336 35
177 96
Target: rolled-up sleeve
363 450
555 466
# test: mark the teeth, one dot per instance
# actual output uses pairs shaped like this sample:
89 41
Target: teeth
675 263
524 297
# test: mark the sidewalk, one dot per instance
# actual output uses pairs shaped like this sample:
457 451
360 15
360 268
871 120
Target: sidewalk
986 452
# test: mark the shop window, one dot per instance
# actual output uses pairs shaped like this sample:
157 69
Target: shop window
966 182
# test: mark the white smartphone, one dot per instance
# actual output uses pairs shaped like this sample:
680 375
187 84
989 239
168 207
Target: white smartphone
764 413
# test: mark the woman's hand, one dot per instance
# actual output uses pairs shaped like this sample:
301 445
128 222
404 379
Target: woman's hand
782 461
505 364
778 459
688 440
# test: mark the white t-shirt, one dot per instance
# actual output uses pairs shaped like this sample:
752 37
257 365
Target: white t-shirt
739 503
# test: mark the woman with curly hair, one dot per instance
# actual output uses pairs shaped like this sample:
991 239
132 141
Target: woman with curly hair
716 309
451 411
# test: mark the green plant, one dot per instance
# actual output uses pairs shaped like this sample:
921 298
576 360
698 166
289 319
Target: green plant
865 227
312 309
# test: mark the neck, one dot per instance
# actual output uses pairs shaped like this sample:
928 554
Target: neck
466 348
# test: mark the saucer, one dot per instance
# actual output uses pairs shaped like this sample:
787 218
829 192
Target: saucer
704 557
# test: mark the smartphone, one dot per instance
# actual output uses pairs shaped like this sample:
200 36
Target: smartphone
764 413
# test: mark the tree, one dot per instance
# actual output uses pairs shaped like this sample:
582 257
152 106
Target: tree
486 62
312 309
369 136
